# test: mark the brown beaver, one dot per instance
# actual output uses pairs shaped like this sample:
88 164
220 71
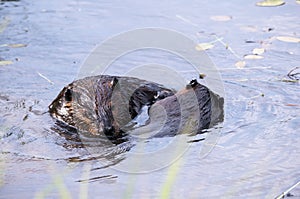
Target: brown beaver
108 105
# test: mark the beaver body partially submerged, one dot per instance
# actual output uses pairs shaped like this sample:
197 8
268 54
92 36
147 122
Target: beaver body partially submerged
108 105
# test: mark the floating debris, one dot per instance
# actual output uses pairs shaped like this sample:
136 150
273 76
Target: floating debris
202 75
251 42
227 46
253 57
287 192
267 29
5 62
221 18
204 46
240 64
46 78
288 39
13 45
270 3
186 20
294 74
208 45
289 80
16 45
292 104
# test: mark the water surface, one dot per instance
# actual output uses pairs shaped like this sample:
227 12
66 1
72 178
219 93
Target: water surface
257 153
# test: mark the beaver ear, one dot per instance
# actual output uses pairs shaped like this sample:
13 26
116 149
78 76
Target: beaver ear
192 84
114 82
68 95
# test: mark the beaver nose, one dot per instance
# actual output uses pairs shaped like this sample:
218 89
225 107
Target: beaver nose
109 131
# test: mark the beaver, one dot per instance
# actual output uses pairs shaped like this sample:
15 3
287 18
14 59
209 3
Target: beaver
110 106
190 111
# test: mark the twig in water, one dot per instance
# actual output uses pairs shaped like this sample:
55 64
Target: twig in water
228 47
285 193
46 78
292 75
186 20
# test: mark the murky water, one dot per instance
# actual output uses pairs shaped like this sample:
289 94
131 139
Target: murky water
257 151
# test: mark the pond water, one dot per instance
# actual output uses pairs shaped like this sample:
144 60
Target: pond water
255 151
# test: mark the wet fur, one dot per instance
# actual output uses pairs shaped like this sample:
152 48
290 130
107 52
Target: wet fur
104 105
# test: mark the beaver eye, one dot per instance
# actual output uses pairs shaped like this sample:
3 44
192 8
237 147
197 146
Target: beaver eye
68 95
114 82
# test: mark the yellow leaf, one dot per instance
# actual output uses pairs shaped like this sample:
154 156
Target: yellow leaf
5 62
204 46
288 39
258 51
268 3
253 57
240 64
298 1
202 75
221 18
16 45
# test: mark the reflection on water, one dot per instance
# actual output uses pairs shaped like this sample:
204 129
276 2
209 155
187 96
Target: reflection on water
257 154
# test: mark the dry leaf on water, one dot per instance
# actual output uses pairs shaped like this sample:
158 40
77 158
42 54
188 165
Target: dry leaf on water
221 18
16 45
240 64
288 39
253 57
204 46
5 62
13 45
268 3
202 75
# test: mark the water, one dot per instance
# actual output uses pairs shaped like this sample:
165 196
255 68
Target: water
257 153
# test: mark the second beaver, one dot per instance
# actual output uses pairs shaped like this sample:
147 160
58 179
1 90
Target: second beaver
107 105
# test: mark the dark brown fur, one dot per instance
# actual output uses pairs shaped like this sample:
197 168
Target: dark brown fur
104 104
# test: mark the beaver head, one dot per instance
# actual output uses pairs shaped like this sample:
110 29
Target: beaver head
76 106
104 104
61 108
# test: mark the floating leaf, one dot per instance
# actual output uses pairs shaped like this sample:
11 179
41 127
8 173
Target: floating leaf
17 45
288 39
298 1
240 64
5 62
290 80
202 75
204 46
253 57
292 104
221 18
268 3
13 45
258 51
